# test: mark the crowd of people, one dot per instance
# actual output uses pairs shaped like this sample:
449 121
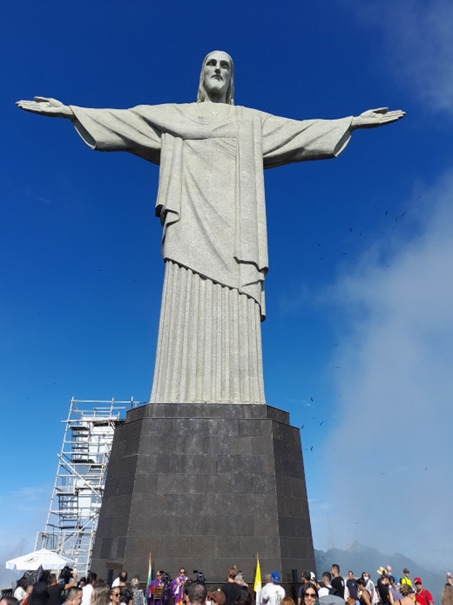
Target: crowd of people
331 589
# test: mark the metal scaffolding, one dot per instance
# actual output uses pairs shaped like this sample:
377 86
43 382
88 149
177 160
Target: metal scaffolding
79 483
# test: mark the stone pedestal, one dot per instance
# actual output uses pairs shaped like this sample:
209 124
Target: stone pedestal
205 486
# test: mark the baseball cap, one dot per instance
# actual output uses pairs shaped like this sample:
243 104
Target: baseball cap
275 577
418 581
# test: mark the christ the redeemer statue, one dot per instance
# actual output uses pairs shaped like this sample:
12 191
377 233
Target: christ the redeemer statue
211 204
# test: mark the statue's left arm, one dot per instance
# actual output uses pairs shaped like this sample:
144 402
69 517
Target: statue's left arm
286 141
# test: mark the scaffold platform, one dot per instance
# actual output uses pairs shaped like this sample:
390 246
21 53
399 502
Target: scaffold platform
76 500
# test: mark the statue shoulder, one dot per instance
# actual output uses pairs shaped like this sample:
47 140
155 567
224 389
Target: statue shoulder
248 113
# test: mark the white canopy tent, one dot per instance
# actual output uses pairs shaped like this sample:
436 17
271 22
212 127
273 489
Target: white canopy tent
43 557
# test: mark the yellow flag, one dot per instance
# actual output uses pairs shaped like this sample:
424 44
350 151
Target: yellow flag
257 583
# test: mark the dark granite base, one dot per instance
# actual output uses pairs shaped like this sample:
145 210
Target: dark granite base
205 486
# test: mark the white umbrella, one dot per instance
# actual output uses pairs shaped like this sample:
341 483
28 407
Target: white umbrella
46 558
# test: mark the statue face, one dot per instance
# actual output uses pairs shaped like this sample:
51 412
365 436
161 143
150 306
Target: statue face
217 74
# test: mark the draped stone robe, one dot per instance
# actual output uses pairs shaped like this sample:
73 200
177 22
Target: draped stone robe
212 207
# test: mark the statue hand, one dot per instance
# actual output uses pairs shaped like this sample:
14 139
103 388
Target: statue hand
376 117
46 107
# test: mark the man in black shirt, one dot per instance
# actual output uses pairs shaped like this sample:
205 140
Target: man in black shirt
230 588
337 580
383 587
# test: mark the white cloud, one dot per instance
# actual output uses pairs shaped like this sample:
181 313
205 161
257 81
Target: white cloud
397 384
418 42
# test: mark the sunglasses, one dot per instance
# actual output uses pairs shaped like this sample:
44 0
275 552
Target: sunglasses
311 594
116 594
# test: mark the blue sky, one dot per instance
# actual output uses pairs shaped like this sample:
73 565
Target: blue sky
358 338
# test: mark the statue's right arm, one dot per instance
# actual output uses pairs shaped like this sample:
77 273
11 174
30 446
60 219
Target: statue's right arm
47 107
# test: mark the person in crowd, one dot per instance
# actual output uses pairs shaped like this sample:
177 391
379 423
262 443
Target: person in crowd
40 593
9 601
28 591
407 593
82 582
326 584
239 579
137 592
21 590
88 588
287 601
383 586
305 577
56 588
278 592
406 579
155 593
121 580
264 596
309 594
115 595
127 596
73 596
245 597
230 588
422 596
446 597
217 597
394 589
197 593
351 585
363 592
369 585
337 580
101 595
177 586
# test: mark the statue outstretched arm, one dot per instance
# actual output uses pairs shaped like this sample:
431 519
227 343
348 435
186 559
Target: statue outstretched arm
47 107
376 117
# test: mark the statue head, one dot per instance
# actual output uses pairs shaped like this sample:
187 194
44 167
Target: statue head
217 77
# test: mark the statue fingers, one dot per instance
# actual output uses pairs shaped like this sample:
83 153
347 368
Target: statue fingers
392 116
28 105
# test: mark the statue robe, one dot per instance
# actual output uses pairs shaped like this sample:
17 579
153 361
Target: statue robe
212 207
